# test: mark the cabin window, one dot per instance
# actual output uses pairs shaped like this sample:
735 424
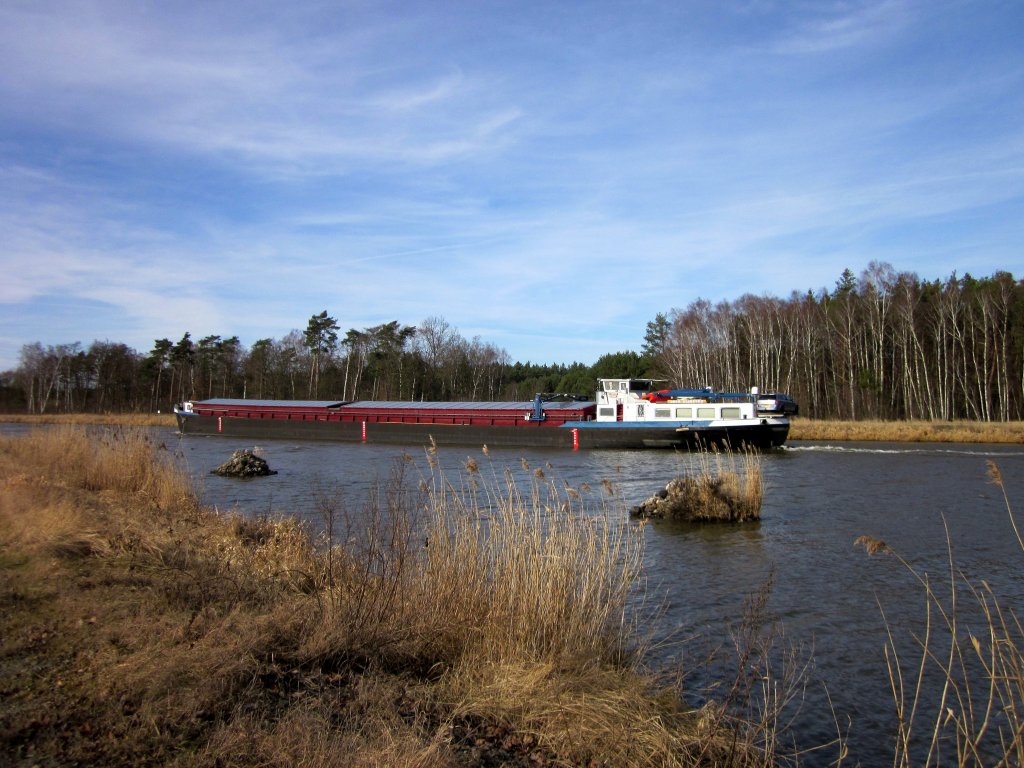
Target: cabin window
730 413
662 413
705 413
684 413
607 411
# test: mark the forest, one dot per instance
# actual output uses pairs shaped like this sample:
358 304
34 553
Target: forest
881 345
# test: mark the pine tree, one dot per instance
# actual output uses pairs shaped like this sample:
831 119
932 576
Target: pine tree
320 338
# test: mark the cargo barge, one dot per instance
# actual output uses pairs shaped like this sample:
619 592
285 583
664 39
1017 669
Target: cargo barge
625 413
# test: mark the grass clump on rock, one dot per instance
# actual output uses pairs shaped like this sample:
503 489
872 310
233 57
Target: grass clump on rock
716 491
244 463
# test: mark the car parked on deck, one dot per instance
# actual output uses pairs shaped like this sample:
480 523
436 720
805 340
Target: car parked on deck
777 403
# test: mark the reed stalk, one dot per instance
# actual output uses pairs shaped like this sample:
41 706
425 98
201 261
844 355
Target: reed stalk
959 700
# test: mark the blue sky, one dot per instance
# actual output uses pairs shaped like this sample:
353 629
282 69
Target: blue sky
544 175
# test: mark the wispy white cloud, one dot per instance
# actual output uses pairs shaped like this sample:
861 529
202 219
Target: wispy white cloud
823 27
240 90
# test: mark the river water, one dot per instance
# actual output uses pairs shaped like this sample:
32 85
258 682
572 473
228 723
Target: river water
827 596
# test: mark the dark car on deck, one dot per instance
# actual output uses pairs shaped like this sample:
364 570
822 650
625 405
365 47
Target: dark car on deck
777 403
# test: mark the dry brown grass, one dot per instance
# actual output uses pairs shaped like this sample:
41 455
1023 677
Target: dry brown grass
908 431
730 485
92 419
722 487
447 622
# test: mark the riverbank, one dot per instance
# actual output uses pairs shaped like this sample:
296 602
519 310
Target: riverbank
801 429
138 627
93 419
908 431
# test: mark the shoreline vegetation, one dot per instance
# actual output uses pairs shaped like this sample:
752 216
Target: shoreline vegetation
823 430
908 431
448 622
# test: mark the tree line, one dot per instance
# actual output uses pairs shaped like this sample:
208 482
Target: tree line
391 361
883 344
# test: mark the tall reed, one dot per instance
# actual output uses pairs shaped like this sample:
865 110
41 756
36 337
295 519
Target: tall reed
960 699
540 577
107 459
483 572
